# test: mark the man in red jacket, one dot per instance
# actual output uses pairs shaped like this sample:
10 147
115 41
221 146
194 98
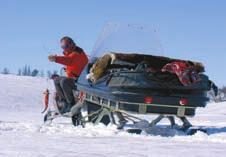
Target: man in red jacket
74 59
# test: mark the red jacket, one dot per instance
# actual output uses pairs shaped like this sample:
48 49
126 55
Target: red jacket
74 62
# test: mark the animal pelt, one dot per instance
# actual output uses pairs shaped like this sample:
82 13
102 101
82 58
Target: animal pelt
100 67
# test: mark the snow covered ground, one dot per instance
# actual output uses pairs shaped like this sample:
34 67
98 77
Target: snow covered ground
22 132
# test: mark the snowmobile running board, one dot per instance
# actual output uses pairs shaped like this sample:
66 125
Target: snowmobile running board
186 128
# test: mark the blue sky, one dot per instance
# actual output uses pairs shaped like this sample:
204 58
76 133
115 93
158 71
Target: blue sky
28 29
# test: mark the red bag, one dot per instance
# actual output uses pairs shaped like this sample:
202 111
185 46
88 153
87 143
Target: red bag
185 73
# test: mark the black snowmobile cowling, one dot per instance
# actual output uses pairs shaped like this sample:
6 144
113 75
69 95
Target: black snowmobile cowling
130 88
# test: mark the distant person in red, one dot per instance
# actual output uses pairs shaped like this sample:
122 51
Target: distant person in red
74 59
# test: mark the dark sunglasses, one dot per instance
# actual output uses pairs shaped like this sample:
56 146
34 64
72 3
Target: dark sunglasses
64 46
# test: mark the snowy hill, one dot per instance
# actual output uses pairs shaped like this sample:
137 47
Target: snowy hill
22 132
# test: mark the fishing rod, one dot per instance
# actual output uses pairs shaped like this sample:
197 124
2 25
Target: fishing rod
46 92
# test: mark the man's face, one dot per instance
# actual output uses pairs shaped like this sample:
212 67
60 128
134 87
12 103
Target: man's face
65 45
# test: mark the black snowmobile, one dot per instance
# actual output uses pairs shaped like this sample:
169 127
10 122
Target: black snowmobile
127 90
134 90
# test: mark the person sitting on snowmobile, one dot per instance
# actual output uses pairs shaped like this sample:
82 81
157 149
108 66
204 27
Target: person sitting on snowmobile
74 59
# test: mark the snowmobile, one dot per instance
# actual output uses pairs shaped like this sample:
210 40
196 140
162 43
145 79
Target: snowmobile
127 90
134 90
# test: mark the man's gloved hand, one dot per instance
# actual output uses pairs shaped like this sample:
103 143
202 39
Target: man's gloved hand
52 58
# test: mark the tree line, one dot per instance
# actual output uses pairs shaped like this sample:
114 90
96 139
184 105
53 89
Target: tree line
34 72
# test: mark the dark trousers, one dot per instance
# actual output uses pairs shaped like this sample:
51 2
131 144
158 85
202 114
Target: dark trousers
64 88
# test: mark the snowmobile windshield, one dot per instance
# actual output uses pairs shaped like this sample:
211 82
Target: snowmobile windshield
127 38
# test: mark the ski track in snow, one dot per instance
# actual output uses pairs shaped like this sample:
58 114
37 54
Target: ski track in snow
23 134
